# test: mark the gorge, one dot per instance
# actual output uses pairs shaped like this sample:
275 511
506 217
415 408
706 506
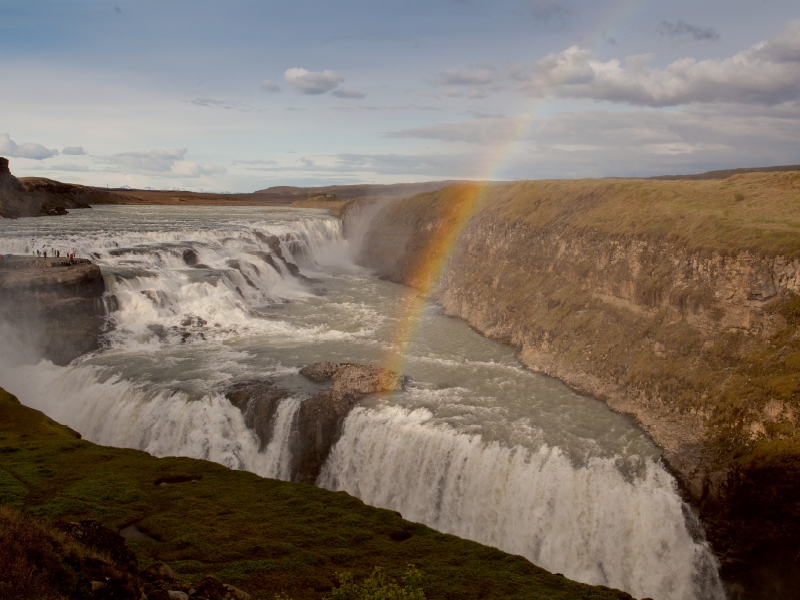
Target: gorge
214 308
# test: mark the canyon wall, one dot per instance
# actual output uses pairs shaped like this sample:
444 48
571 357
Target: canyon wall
674 302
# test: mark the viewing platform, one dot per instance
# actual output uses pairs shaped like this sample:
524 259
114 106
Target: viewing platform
17 261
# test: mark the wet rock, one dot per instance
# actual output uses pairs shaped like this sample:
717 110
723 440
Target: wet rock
190 257
354 377
258 400
320 417
274 243
321 371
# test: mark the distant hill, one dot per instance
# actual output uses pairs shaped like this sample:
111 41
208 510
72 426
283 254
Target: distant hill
37 196
724 174
348 192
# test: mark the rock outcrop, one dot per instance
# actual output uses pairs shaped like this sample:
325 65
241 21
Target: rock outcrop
629 292
319 419
38 196
258 400
50 308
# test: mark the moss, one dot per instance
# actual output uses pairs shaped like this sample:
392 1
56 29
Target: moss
262 535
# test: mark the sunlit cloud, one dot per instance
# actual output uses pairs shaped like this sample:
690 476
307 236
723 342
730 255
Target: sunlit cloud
767 73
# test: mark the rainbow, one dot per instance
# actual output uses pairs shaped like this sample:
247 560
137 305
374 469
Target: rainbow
428 271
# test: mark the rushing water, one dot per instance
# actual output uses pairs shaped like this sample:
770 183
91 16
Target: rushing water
475 446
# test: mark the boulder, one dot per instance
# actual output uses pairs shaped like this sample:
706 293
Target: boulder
99 537
320 417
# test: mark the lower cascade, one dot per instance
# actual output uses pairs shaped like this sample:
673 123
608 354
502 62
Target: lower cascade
475 445
590 523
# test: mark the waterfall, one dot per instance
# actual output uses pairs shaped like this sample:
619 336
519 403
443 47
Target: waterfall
279 449
194 297
591 523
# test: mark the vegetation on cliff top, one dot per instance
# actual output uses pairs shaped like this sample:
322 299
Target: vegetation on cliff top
758 212
262 535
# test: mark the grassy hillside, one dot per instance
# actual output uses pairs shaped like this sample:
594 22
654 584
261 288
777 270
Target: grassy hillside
759 212
265 536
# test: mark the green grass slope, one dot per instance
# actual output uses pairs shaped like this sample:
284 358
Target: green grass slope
262 535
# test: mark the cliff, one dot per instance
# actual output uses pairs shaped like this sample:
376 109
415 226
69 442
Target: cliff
50 308
212 524
676 302
37 196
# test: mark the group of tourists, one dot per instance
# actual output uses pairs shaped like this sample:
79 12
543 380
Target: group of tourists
54 254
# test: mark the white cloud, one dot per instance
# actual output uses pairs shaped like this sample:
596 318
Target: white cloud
73 151
9 147
312 82
162 162
270 86
766 73
348 92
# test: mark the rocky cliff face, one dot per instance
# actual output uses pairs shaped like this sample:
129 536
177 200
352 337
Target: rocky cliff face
51 309
319 419
37 196
700 345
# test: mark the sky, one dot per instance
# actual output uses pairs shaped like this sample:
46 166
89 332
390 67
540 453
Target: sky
242 95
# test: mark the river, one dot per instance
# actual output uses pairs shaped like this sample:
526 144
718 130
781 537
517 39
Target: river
475 445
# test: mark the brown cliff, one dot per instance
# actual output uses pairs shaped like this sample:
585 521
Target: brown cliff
675 302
